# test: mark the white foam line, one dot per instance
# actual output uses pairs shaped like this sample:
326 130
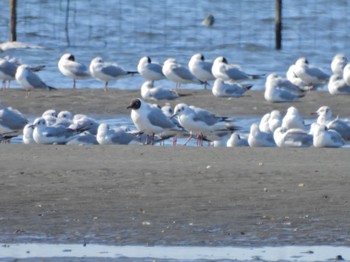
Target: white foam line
295 253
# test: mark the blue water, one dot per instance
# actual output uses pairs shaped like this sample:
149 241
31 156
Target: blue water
123 31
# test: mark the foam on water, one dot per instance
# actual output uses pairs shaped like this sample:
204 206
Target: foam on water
181 253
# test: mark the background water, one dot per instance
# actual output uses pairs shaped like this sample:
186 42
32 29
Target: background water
123 31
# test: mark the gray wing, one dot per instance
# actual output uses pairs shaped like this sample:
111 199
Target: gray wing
183 73
318 73
12 119
156 68
157 118
78 69
207 66
289 86
341 127
121 137
8 68
286 95
114 71
58 132
35 81
83 139
233 90
162 93
299 136
237 74
206 117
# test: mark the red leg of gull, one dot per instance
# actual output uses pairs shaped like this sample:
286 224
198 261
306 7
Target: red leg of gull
106 86
74 83
188 139
174 140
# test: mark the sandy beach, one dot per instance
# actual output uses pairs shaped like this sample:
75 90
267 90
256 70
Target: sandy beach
172 195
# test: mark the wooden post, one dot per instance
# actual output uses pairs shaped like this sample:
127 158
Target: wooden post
278 24
13 20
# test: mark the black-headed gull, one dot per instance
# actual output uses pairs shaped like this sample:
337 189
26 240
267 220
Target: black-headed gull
44 134
279 89
292 137
149 70
338 86
150 119
110 136
257 138
236 140
323 137
73 69
338 63
151 92
178 73
325 117
229 89
309 74
29 80
230 72
201 68
293 119
106 71
202 123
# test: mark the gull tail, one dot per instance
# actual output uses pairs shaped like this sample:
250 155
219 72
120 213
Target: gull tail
247 86
132 73
37 68
257 76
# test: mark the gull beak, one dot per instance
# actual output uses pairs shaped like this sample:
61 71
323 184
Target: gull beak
173 116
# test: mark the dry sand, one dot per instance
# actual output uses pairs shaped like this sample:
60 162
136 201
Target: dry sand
172 195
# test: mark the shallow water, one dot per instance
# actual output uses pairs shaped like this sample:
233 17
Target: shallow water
127 30
175 253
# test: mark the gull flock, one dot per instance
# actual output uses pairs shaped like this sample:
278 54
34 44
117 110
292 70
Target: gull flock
155 124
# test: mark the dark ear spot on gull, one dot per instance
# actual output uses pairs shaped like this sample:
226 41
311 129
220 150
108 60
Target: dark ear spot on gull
149 59
71 58
135 104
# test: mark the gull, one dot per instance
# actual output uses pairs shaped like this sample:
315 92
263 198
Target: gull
308 73
235 140
201 68
346 73
27 138
325 117
178 73
257 138
322 137
279 89
293 119
8 68
106 71
338 63
227 89
292 137
108 136
230 72
50 116
150 119
44 134
208 20
149 70
202 122
73 69
148 91
264 123
338 86
29 80
275 120
84 138
82 122
11 120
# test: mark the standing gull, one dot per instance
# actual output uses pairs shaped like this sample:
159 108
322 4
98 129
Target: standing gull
149 70
230 72
73 69
106 71
338 63
150 119
201 68
29 80
178 73
202 123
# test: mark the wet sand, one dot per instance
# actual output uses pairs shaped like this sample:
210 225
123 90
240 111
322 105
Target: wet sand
172 195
